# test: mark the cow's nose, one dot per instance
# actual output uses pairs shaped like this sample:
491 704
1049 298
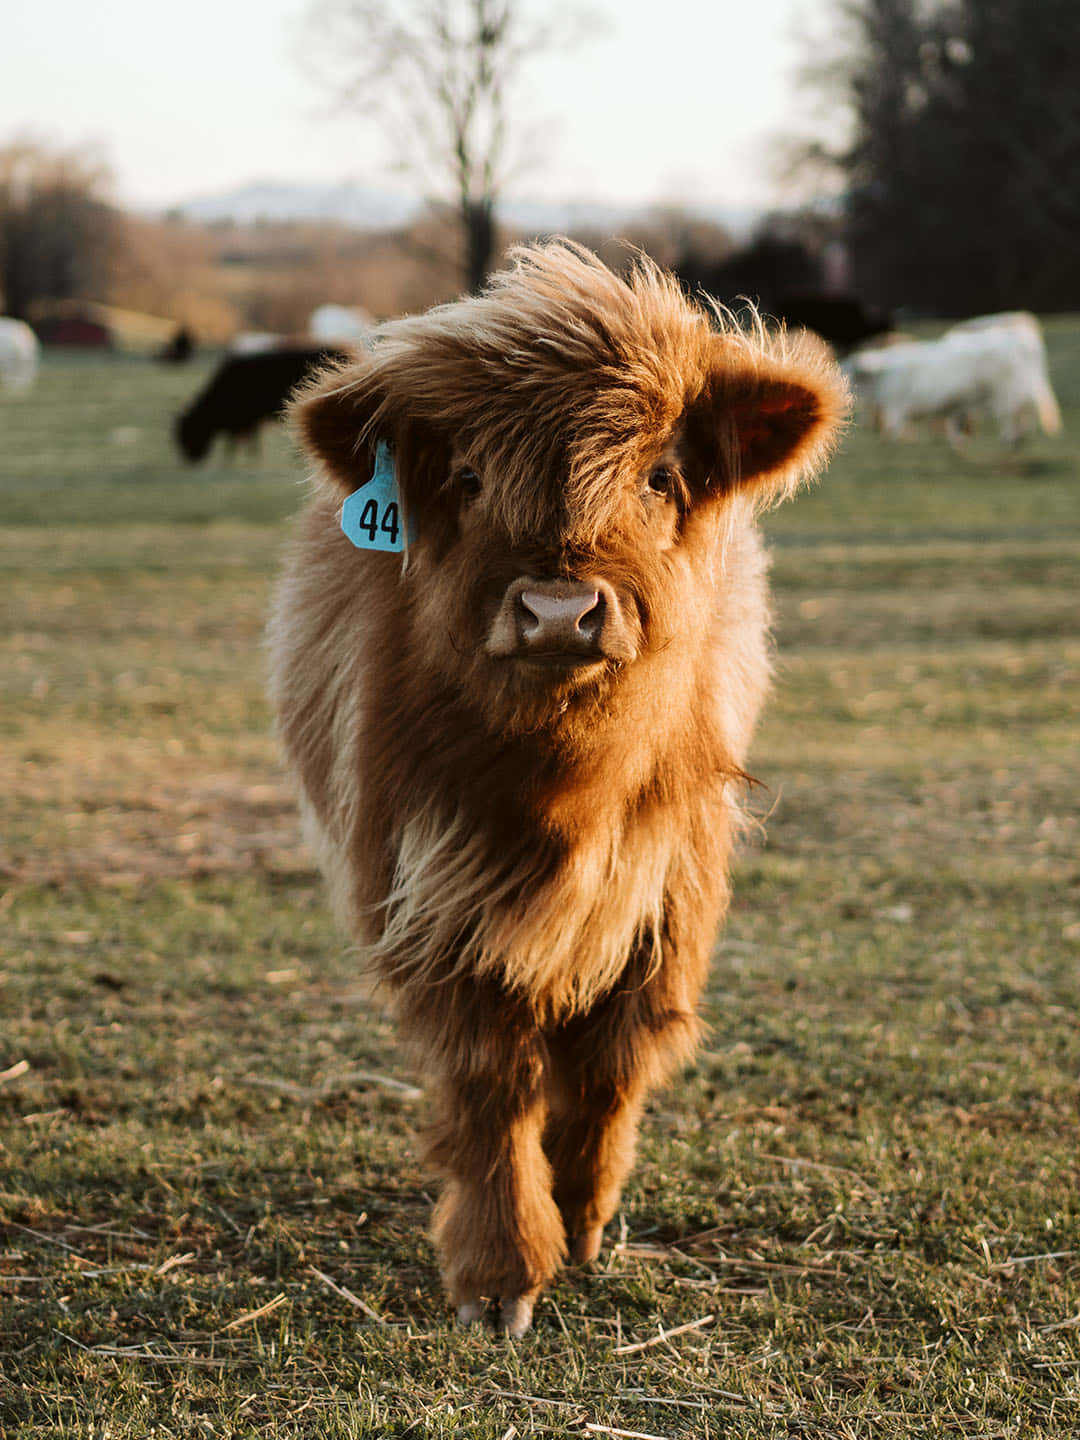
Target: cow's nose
560 616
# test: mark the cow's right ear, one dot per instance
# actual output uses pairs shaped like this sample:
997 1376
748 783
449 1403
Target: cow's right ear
338 420
770 414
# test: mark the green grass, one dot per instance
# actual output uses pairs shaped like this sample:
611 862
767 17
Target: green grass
869 1178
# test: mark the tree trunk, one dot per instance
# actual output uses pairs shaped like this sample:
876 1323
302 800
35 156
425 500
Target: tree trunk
478 219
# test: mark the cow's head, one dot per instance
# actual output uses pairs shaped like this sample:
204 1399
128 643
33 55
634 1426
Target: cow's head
571 448
193 435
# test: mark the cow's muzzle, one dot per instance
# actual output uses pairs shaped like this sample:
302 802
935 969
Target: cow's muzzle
559 623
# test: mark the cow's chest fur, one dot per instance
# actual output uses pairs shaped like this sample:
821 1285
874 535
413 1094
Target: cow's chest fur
554 919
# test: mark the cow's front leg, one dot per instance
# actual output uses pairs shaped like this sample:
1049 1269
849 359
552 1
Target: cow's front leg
496 1227
590 1141
601 1069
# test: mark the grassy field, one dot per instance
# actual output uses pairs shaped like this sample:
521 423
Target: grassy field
862 1203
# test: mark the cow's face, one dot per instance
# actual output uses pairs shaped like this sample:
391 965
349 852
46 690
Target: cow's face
563 603
570 505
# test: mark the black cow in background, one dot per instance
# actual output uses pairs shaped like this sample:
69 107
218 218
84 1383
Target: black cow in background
244 392
179 349
764 268
843 320
784 278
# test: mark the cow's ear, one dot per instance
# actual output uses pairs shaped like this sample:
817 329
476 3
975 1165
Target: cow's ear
337 420
344 417
770 414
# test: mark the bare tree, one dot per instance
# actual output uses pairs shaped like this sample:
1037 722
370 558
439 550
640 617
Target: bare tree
57 231
442 79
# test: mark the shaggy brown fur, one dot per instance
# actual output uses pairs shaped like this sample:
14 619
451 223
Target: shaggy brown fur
525 820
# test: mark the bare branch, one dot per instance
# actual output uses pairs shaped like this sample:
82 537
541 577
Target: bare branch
442 79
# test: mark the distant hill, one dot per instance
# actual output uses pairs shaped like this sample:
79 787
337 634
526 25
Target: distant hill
370 208
364 206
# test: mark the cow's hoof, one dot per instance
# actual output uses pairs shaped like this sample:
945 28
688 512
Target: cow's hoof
515 1316
586 1246
470 1311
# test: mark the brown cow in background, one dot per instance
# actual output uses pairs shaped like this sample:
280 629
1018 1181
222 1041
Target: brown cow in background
520 745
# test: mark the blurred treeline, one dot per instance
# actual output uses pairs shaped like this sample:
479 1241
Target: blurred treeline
60 239
961 171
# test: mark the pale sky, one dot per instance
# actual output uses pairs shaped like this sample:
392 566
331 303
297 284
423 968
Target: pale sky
678 100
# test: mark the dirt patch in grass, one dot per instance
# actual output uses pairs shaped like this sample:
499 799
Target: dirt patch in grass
124 816
219 825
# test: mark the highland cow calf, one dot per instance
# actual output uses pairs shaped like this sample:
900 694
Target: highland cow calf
520 744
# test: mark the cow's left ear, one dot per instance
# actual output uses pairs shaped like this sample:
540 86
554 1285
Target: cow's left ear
770 414
333 417
340 420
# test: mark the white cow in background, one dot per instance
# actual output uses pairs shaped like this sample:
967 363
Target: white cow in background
1021 323
990 364
1027 332
20 353
341 323
254 342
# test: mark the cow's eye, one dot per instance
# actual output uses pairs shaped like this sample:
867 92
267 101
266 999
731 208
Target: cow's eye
468 482
661 481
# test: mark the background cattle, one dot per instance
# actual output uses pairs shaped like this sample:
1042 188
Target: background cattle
254 342
20 354
343 324
520 752
991 365
844 321
789 282
244 392
178 349
1027 335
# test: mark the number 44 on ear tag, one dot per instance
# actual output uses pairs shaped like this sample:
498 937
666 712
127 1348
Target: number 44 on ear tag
371 516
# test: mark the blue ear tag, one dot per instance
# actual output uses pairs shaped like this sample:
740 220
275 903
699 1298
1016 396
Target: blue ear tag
371 516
